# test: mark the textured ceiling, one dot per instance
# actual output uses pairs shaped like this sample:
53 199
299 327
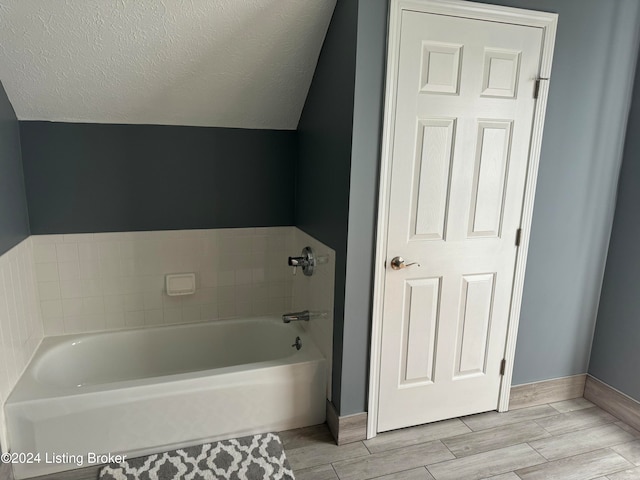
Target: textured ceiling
227 63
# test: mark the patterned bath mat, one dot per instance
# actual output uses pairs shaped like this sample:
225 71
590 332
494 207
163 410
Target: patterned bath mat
258 457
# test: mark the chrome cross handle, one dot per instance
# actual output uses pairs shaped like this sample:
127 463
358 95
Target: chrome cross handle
397 263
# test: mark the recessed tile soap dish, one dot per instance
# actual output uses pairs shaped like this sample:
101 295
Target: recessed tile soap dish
180 284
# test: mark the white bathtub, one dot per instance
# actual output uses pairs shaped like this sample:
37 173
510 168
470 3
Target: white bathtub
142 391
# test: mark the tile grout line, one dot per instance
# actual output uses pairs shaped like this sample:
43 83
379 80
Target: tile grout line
513 423
394 473
398 448
571 411
582 427
441 440
509 425
430 473
481 453
546 460
628 460
335 471
584 453
621 470
448 449
469 456
365 446
417 443
609 447
466 425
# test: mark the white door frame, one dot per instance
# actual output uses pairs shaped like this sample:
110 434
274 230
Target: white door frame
459 8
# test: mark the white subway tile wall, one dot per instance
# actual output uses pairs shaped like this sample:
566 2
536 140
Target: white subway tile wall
315 293
111 281
20 320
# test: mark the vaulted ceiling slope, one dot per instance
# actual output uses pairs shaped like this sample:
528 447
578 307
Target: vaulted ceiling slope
223 63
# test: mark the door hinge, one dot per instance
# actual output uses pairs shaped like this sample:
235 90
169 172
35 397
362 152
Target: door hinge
518 237
503 366
536 90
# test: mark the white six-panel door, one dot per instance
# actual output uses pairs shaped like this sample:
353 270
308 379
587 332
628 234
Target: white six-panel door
462 127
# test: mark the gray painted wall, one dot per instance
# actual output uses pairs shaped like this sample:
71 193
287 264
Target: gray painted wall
101 178
14 219
596 48
325 131
616 355
363 201
592 78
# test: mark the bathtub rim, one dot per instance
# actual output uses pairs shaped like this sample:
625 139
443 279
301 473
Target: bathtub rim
30 389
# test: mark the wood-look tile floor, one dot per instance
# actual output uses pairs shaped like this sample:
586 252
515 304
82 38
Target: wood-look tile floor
570 440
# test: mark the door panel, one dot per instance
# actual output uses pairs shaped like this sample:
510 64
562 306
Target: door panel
463 120
432 173
491 167
422 304
440 65
500 73
475 319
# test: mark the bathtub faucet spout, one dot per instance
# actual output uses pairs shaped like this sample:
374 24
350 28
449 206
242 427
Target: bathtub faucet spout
296 316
